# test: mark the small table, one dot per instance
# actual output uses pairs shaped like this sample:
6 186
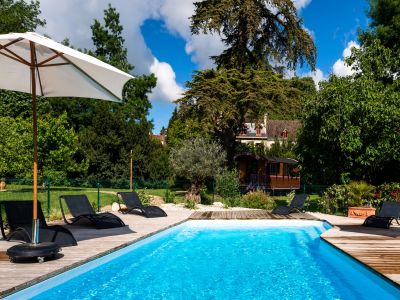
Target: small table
28 250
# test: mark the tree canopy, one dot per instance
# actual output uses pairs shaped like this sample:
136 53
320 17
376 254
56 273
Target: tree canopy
257 33
197 160
351 127
19 16
385 23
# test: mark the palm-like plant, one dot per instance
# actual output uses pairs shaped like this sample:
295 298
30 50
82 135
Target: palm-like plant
359 192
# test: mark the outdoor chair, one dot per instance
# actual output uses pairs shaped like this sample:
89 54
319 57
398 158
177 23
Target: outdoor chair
297 204
81 209
390 211
134 205
19 223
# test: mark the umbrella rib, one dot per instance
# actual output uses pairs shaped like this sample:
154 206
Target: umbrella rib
54 65
38 75
10 43
41 64
12 53
14 58
88 76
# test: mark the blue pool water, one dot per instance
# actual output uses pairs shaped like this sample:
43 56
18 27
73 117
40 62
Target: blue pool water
222 260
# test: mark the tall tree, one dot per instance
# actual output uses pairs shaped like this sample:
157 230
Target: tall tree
19 16
116 129
221 100
257 33
384 26
58 145
351 127
385 23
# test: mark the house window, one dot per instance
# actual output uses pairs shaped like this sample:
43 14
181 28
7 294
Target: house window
287 170
274 168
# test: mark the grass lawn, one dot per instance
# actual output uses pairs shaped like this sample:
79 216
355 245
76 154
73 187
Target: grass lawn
107 196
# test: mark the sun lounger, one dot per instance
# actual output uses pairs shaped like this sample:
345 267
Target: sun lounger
297 204
133 204
19 223
80 208
390 211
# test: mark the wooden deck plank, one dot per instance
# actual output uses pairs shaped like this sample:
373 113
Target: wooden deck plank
246 215
376 248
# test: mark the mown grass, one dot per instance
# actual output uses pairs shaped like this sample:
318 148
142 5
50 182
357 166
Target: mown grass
106 196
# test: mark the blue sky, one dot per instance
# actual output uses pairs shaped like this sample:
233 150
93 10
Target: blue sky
158 39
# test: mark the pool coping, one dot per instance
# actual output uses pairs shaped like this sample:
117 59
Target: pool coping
381 275
42 278
49 275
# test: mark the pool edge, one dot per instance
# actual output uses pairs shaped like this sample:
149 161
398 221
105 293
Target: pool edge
25 285
381 275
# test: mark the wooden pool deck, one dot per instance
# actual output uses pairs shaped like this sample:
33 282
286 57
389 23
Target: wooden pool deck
379 249
247 215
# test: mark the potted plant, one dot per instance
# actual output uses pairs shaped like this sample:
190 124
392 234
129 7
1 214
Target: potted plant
360 196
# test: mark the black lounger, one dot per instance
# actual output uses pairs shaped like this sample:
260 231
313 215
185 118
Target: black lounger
390 211
80 208
297 204
19 220
133 203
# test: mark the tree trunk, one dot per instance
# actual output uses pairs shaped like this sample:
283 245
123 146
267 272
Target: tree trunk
194 193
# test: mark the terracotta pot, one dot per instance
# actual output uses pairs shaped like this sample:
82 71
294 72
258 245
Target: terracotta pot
360 212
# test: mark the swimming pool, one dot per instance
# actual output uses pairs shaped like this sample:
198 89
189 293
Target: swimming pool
255 259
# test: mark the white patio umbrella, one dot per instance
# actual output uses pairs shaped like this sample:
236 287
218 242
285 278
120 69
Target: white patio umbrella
35 64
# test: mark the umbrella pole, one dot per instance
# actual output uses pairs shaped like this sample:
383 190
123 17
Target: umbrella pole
35 227
131 177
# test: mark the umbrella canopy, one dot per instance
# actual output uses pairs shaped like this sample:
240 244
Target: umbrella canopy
60 70
35 64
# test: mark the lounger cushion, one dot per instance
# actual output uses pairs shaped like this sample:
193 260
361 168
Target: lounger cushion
102 220
19 218
133 203
56 233
154 212
379 222
81 210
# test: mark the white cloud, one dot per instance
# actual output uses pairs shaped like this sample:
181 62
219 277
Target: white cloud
167 88
340 68
176 14
317 76
300 4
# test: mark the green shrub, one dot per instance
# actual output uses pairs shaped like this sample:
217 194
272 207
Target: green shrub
144 198
388 191
257 199
360 193
290 196
169 196
228 187
334 200
189 203
206 198
55 214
